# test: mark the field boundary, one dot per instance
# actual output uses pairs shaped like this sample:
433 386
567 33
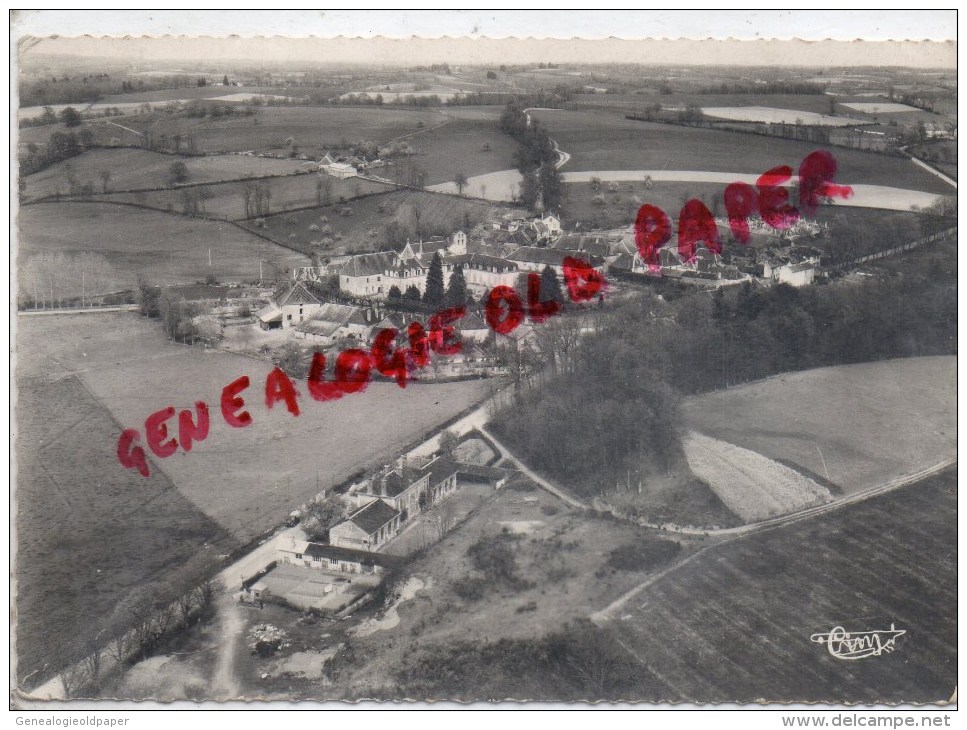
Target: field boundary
736 533
758 133
165 188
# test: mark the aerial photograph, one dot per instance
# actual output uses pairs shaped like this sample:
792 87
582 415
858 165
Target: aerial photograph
483 371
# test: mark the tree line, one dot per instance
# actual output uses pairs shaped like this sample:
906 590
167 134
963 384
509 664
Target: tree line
536 158
611 415
52 279
140 625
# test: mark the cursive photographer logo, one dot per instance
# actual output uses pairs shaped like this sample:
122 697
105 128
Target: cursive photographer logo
851 645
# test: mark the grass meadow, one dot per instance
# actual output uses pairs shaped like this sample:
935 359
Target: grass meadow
167 249
610 142
857 426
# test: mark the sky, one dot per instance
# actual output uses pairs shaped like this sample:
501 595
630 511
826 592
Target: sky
624 28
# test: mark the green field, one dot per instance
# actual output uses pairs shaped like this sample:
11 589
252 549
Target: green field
366 228
167 249
314 129
253 477
856 425
734 624
88 532
458 147
132 169
609 142
228 199
191 92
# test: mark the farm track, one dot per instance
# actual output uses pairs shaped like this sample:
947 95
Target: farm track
731 534
540 481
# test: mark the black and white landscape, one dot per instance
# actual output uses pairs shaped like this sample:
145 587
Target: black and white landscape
484 378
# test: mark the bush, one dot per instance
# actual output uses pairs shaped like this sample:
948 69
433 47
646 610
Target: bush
549 509
647 553
470 588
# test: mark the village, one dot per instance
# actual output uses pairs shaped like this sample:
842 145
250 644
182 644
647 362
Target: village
366 381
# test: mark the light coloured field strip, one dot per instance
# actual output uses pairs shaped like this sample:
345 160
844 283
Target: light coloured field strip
751 485
498 186
607 614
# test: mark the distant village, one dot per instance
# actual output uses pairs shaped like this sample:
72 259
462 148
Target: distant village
374 284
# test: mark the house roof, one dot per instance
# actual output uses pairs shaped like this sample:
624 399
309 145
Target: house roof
597 244
804 266
320 328
550 256
481 261
327 552
342 166
271 313
373 516
398 481
624 262
440 469
472 321
368 264
335 313
297 293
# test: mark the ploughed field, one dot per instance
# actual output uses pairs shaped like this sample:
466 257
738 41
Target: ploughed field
247 479
734 623
857 426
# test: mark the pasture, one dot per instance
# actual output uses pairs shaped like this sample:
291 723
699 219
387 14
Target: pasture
734 623
367 229
168 249
771 115
814 103
459 147
877 107
257 475
314 129
227 200
609 142
857 426
133 168
115 531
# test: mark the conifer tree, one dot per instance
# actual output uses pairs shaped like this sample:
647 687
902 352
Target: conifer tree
457 289
551 286
434 293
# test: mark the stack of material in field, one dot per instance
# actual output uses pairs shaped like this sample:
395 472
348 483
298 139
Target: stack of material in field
751 485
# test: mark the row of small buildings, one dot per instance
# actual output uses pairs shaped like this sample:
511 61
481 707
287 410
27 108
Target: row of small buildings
383 506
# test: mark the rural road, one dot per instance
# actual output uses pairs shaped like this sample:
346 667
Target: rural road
608 614
224 685
540 481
